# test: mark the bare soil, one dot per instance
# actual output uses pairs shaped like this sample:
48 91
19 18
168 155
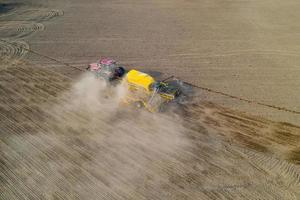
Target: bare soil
62 138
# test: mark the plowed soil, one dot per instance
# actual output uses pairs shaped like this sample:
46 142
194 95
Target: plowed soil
61 137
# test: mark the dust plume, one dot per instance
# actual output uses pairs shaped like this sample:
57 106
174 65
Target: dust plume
77 140
96 142
102 103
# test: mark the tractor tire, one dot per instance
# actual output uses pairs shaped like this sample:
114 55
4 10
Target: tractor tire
120 71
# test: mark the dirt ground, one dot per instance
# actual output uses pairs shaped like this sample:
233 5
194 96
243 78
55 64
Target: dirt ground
61 138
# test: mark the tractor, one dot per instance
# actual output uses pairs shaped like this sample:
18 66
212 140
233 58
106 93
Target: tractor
142 89
106 69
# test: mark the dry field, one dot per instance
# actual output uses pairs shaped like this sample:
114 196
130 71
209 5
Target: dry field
61 138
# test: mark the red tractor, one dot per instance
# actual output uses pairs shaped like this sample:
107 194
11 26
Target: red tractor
107 69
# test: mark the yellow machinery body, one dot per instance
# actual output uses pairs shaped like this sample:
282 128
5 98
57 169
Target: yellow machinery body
139 79
139 90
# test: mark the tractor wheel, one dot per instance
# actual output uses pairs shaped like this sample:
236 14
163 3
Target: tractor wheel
120 71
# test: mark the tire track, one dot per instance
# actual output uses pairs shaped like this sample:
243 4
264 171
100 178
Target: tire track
282 167
19 29
50 14
15 50
19 23
37 149
243 99
271 177
238 53
36 15
31 27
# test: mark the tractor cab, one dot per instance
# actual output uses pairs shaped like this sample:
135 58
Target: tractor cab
106 69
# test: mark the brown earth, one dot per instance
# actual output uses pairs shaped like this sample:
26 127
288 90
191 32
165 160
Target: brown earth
60 138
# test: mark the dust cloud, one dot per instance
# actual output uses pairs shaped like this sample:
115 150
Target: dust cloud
78 140
97 143
102 106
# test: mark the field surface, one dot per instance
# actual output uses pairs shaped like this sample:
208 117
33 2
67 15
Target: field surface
62 138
